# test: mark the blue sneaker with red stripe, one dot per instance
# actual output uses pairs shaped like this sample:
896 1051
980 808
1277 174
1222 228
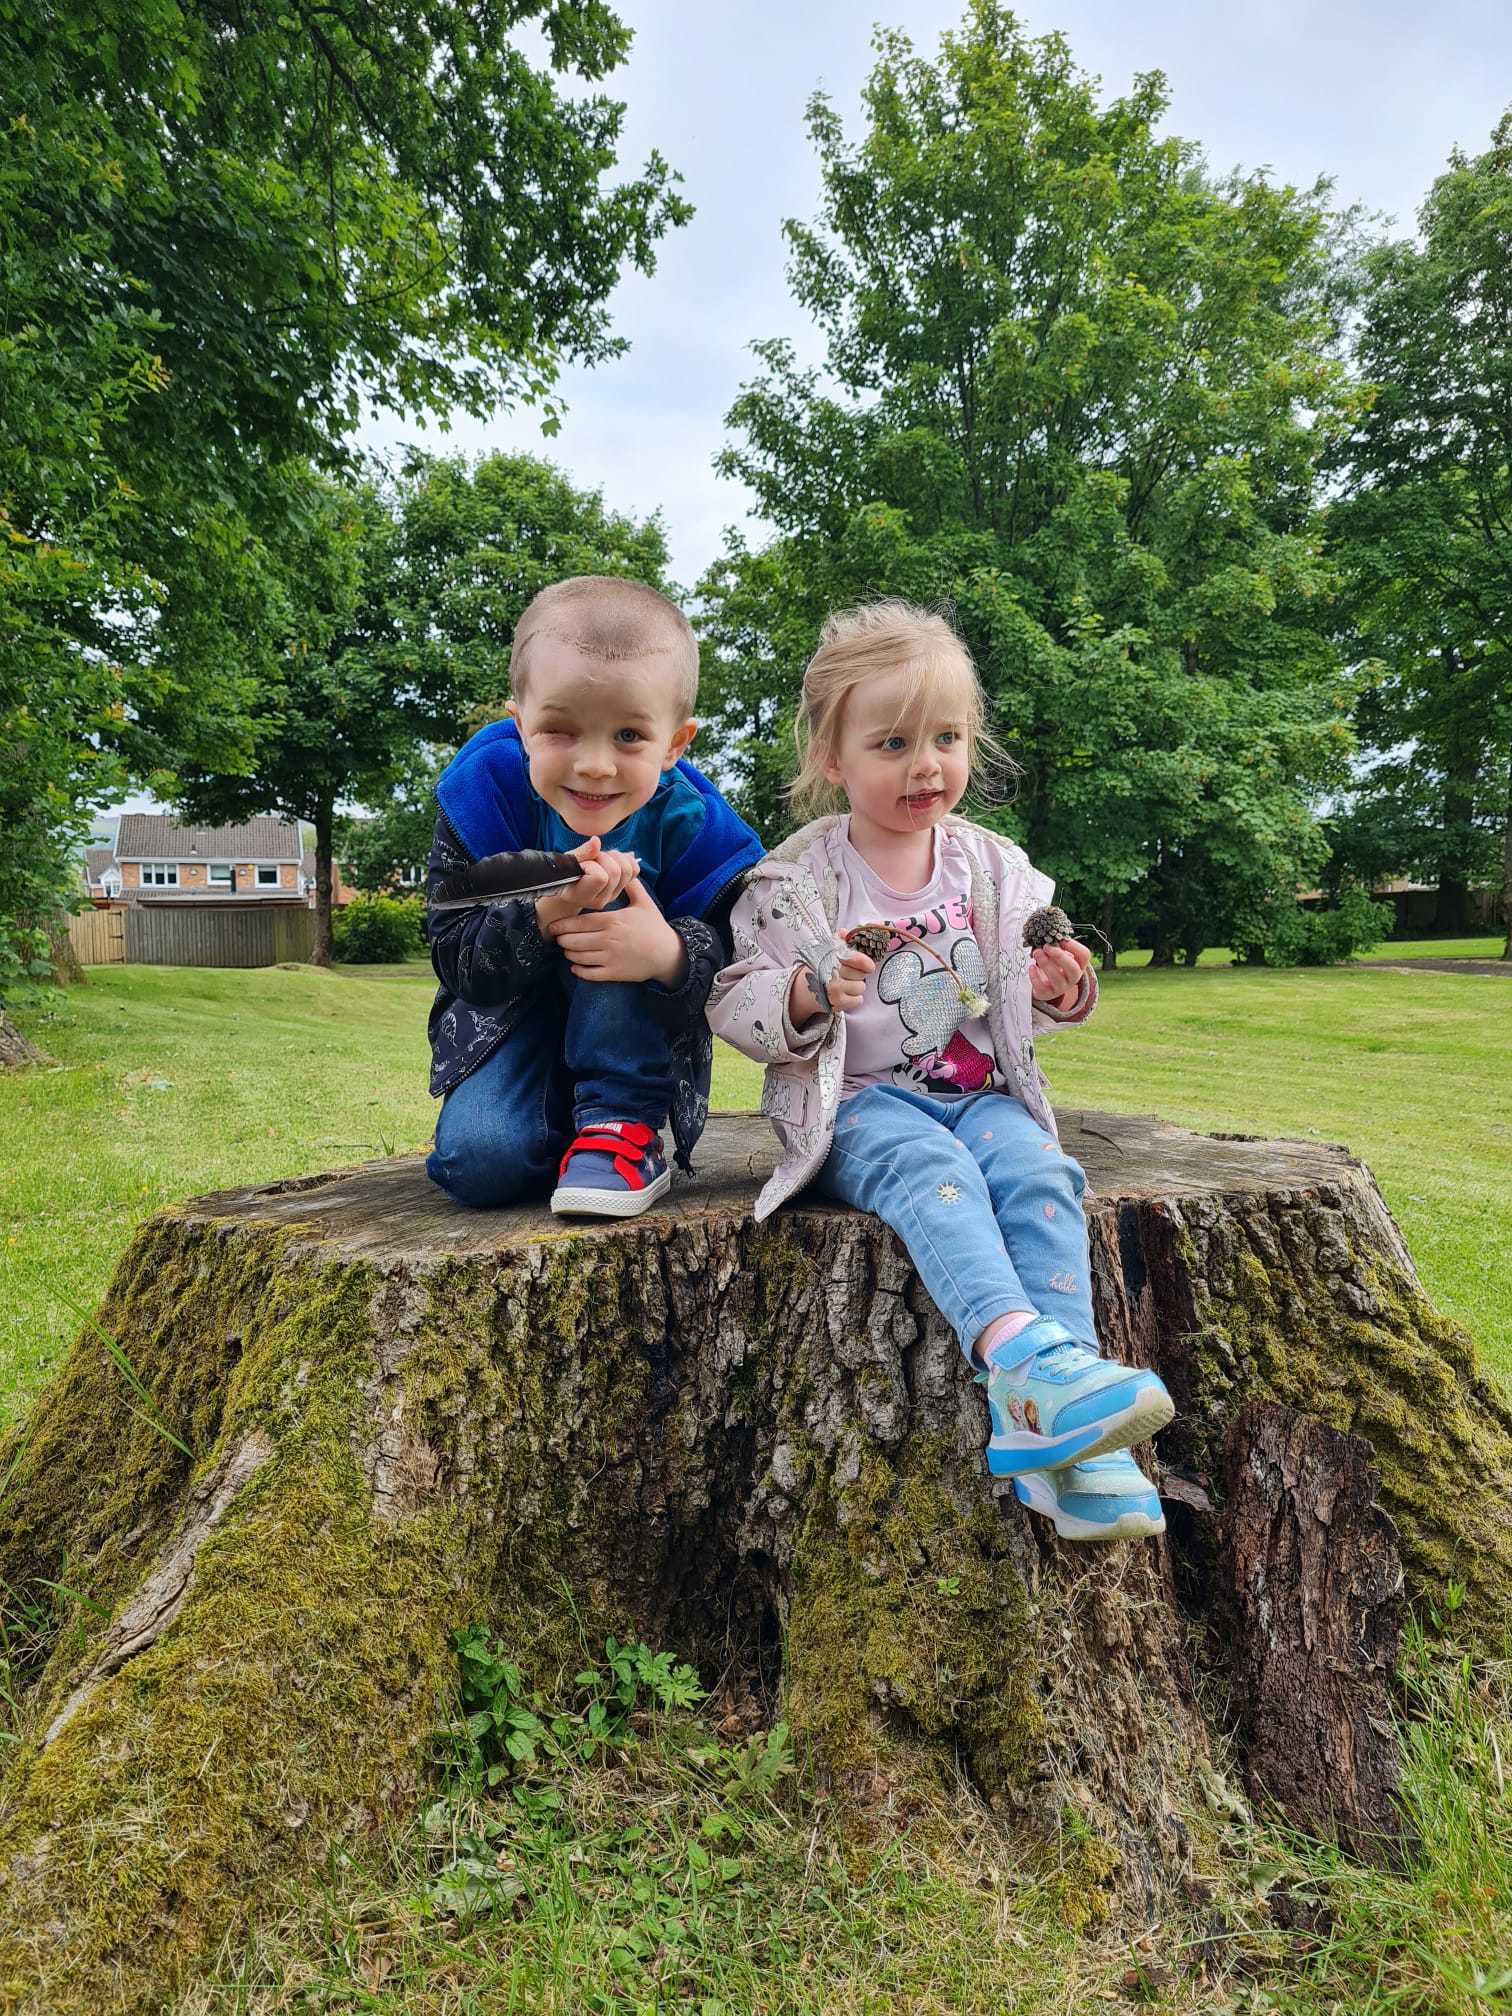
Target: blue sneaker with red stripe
614 1169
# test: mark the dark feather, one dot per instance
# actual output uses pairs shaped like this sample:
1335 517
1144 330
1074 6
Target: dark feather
533 871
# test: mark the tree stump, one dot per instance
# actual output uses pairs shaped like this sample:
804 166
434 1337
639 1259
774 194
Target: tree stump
371 1418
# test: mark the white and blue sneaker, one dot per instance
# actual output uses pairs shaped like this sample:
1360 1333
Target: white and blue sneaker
1099 1498
614 1169
1055 1401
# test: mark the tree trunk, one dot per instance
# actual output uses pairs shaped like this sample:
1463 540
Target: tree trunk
1507 865
1451 911
1109 944
15 1050
757 1446
66 970
1312 1679
325 820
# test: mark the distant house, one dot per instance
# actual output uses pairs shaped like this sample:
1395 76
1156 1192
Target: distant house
102 878
160 861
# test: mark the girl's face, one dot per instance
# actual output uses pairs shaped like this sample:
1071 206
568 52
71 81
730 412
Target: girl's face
901 773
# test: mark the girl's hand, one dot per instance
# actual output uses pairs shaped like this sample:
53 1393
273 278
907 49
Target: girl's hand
603 877
846 989
1055 972
635 943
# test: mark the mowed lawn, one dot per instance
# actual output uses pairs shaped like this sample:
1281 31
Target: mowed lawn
173 1081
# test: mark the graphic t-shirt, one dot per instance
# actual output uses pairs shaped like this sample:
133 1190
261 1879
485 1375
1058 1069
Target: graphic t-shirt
914 1029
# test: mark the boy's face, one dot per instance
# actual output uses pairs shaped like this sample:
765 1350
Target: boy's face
901 771
598 735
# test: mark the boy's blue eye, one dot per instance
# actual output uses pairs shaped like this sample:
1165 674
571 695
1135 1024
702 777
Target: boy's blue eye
629 735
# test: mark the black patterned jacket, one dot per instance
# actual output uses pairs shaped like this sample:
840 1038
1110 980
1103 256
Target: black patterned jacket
492 963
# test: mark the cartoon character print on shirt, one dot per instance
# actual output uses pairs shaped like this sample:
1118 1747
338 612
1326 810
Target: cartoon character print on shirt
942 1060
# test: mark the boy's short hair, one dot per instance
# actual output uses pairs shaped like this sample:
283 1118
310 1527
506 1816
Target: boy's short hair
606 616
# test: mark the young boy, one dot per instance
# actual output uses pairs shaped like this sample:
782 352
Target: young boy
569 1027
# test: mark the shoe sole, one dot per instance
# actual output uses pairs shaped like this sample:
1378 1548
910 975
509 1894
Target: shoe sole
587 1203
1127 1526
1146 1414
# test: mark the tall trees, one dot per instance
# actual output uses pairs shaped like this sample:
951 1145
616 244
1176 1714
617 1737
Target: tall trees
1079 389
1426 530
397 605
222 228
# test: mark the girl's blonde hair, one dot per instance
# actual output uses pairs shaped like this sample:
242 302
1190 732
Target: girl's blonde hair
869 642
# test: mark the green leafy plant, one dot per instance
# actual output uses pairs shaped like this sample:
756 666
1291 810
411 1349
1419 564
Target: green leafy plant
376 930
508 1732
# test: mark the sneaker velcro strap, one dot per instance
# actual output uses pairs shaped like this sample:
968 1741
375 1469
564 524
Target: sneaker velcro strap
625 1143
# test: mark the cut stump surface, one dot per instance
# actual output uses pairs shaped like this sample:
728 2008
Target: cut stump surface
756 1446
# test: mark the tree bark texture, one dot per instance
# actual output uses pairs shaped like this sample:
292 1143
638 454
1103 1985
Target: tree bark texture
1317 1582
1507 865
15 1050
758 1446
325 828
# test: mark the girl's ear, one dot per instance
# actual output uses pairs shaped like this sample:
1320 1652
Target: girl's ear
832 774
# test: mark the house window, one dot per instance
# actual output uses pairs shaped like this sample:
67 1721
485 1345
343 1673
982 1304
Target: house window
220 874
160 874
267 878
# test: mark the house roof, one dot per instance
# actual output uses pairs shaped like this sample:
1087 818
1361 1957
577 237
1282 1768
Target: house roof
150 836
96 861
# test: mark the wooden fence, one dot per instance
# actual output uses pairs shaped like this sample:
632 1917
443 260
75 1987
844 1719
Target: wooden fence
98 937
193 935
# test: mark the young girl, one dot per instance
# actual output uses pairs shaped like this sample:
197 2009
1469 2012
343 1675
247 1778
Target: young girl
906 1083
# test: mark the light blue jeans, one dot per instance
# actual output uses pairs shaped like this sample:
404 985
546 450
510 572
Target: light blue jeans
984 1199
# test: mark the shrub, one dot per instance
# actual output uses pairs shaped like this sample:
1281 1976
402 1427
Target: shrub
1284 934
377 930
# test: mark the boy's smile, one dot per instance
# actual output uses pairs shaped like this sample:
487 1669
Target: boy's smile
599 733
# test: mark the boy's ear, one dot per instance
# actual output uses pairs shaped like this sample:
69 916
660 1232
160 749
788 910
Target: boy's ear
680 744
512 711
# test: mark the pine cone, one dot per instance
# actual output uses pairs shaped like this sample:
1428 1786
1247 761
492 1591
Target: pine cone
872 939
1050 926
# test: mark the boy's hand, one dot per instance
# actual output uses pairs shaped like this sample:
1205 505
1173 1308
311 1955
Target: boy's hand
603 877
845 988
635 943
1055 972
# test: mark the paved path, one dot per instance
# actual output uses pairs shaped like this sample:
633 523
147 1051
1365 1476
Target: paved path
1502 966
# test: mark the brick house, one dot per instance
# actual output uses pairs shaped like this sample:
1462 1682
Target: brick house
102 878
157 860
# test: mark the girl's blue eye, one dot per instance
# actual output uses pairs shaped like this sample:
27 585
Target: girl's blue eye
894 743
948 738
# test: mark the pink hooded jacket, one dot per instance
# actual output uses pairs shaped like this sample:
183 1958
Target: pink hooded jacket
793 895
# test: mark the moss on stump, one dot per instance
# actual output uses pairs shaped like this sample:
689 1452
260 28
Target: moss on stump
757 1446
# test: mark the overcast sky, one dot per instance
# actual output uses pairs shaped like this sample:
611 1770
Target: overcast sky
1372 93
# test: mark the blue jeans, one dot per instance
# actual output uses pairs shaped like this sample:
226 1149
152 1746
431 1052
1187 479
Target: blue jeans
987 1203
590 1050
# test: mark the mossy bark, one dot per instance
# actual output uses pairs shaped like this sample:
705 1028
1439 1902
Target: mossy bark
374 1418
